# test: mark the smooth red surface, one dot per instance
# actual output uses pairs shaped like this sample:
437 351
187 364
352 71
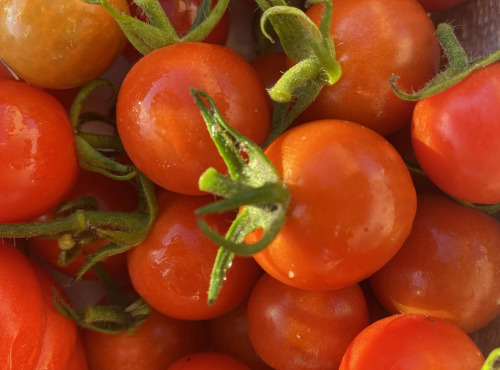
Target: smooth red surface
208 361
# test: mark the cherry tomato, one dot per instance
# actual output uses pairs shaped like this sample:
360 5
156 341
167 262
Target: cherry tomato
297 329
171 268
155 110
159 341
373 40
208 361
352 205
5 73
38 166
455 137
111 195
229 334
412 342
181 14
59 44
34 334
447 267
270 67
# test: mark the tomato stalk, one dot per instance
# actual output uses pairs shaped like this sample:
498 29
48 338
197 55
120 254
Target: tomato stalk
147 37
123 311
492 361
312 50
253 186
459 66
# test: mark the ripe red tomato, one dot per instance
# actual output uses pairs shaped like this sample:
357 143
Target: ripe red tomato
181 14
447 267
208 361
59 44
352 205
171 268
159 341
34 334
38 166
297 329
111 195
229 334
373 40
155 110
455 137
412 342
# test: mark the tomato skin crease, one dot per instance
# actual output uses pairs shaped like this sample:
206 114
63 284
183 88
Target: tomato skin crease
37 150
160 125
455 137
352 205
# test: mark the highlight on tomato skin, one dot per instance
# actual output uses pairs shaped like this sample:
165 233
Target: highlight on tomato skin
447 266
412 342
352 205
155 110
37 151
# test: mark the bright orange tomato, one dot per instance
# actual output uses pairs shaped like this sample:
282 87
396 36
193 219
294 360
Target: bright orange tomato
352 205
59 44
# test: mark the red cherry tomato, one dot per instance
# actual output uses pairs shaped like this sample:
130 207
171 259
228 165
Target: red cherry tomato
208 361
447 267
38 164
352 205
181 14
373 40
159 341
298 329
455 137
171 268
34 334
412 342
155 110
59 44
111 195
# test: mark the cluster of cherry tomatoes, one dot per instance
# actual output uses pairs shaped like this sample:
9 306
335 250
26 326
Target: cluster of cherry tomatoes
329 201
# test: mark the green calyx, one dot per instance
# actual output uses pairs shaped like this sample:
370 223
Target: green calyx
459 66
492 361
253 187
159 32
123 312
312 50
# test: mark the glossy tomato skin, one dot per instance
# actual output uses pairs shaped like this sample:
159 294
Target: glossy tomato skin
155 110
34 334
352 205
159 341
208 361
171 268
59 44
298 329
455 137
373 40
412 342
37 152
110 195
447 267
181 15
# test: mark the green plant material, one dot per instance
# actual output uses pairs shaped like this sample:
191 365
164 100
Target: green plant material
459 67
253 187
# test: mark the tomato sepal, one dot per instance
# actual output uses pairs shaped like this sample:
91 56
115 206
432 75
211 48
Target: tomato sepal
458 68
492 361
